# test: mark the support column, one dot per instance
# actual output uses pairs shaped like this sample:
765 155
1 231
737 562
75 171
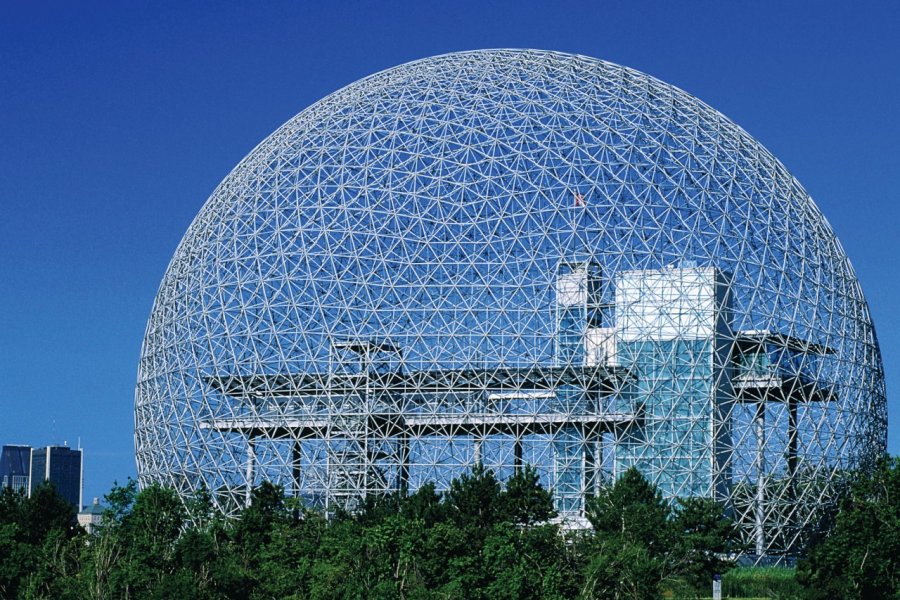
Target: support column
593 459
403 474
251 469
329 477
792 447
296 453
477 442
759 425
517 453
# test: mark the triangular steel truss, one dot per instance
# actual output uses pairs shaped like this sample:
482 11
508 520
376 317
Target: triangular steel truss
513 257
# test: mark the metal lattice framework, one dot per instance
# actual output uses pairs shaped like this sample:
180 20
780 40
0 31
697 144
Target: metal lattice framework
512 257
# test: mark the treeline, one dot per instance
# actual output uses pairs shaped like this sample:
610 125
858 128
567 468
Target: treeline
480 539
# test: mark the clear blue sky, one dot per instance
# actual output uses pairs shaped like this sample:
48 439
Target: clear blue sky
118 120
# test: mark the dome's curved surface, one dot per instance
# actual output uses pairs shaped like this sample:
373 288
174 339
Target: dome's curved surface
512 256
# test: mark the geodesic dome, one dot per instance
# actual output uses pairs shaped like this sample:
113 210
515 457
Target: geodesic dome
512 257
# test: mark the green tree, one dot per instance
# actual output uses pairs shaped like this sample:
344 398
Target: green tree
642 545
45 511
119 501
254 528
249 537
455 562
57 567
526 562
342 569
15 555
859 559
12 503
705 536
524 500
474 498
101 556
634 510
619 568
147 534
425 505
16 560
287 561
35 534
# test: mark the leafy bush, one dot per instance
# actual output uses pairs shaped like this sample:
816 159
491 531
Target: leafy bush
481 540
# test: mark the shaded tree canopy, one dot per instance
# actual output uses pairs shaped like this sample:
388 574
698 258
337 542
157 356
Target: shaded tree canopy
860 558
482 539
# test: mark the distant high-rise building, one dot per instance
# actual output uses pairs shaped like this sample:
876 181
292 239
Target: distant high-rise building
61 466
15 467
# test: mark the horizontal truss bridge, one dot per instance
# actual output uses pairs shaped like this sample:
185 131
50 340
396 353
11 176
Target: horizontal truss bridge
386 418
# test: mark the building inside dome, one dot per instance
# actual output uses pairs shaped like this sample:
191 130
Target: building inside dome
513 257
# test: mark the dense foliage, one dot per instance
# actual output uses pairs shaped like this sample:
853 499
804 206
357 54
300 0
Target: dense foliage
762 582
481 539
860 557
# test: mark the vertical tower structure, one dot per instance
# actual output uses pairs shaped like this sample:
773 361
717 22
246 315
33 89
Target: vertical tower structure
673 333
580 344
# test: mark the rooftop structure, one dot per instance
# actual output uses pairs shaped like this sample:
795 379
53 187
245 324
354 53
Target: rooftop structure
91 516
512 257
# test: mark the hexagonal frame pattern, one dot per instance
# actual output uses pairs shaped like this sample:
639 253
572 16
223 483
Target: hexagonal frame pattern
512 257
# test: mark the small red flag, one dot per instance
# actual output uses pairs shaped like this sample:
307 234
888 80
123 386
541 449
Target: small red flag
579 199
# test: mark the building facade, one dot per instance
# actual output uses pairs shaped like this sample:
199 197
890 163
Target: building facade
91 516
61 466
15 468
